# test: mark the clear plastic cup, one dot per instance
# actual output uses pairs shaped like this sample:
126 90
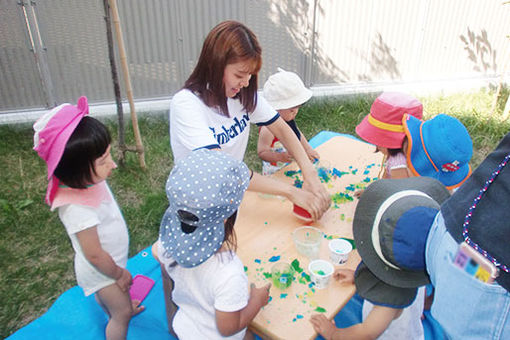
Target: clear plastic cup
308 241
282 274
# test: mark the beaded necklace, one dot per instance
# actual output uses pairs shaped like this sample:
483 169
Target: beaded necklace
467 219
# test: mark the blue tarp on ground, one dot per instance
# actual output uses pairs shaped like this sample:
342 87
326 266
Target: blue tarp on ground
74 316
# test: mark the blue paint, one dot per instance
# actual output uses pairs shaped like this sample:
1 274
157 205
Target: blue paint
270 298
257 261
274 258
283 296
338 173
299 316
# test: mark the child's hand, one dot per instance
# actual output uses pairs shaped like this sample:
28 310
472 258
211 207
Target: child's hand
284 157
313 155
323 326
125 280
344 275
261 294
358 193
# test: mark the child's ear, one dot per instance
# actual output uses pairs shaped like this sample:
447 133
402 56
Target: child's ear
405 145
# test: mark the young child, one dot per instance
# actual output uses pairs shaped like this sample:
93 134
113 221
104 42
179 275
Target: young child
390 226
383 128
285 92
197 246
77 153
440 148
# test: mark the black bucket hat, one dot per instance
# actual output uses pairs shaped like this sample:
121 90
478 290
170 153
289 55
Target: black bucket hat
391 224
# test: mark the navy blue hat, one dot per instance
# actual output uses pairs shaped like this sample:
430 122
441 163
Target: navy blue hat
440 148
203 189
391 225
490 226
371 288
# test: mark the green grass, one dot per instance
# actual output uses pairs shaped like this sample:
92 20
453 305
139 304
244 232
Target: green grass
36 262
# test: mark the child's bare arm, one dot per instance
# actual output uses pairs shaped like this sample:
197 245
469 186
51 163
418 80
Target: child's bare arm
399 173
374 325
264 148
311 152
230 323
94 253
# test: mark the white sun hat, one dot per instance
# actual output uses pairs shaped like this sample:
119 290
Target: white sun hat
285 90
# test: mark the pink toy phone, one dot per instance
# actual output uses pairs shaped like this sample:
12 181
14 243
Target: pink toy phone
141 287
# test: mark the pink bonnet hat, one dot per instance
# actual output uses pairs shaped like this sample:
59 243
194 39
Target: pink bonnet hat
383 125
52 131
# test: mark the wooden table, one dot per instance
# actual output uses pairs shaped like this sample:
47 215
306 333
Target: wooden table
264 226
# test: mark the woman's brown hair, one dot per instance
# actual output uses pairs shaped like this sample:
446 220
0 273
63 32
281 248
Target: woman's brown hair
228 42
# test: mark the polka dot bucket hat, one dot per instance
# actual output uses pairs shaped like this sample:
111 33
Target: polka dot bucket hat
203 190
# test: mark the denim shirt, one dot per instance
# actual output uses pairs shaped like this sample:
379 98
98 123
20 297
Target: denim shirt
465 307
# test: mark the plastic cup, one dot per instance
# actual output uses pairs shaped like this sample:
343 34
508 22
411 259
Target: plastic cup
320 273
308 241
339 250
301 213
282 274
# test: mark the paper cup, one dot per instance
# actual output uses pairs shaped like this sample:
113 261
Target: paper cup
308 241
320 273
339 250
282 274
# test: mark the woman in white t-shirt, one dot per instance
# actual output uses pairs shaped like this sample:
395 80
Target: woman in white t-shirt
219 101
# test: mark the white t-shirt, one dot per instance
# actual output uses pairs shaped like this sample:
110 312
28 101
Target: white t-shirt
219 283
408 325
113 236
194 125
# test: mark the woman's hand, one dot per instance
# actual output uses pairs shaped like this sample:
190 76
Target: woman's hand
308 201
321 199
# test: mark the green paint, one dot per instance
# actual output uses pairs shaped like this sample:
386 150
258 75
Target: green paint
341 197
295 265
245 268
267 275
320 272
306 276
320 310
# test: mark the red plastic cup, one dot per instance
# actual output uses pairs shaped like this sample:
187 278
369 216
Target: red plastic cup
302 213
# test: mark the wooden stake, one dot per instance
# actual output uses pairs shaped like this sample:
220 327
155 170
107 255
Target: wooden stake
127 81
116 86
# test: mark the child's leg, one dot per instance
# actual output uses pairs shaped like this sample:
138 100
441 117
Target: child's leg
119 307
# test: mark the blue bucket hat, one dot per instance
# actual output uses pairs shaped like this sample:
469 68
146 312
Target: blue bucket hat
440 148
391 224
203 190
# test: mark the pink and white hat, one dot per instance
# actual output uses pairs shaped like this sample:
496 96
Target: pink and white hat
383 125
52 131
